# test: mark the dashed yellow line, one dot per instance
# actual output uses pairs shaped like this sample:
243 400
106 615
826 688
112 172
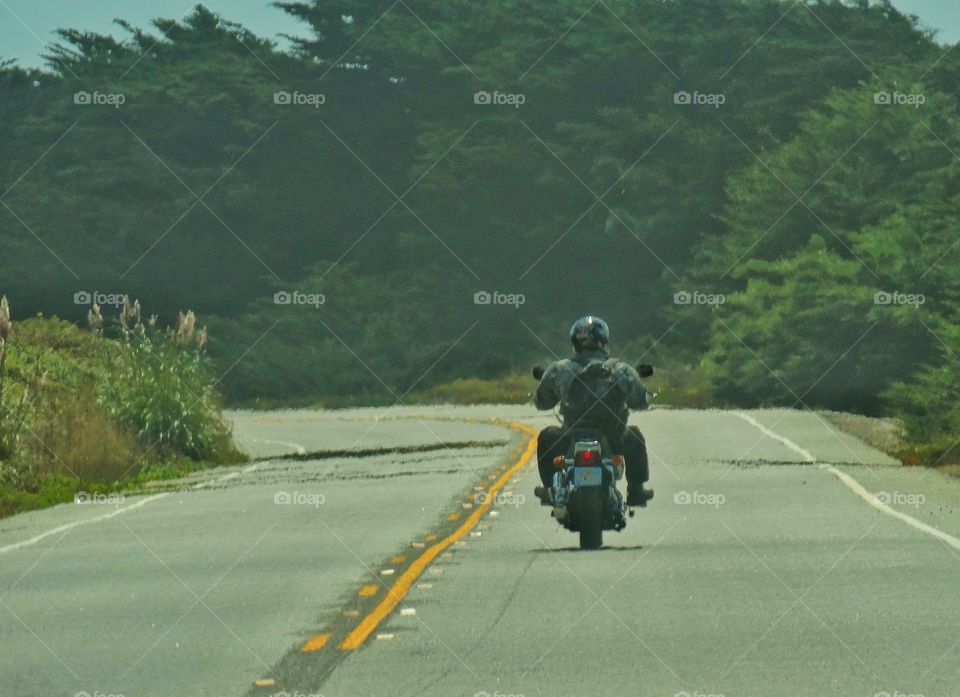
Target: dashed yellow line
368 591
398 591
316 643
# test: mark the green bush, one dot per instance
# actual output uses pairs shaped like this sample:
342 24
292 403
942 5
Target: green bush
163 392
515 388
83 411
928 407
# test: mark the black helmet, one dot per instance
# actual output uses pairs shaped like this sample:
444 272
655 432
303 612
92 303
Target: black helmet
589 334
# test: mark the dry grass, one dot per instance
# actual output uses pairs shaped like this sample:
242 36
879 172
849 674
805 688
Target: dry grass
80 440
880 433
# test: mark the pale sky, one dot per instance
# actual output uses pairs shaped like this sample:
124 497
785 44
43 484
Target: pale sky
27 25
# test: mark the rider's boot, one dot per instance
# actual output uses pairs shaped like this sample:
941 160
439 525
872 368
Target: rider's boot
638 495
545 494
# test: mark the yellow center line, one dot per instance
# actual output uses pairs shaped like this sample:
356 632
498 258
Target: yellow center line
398 591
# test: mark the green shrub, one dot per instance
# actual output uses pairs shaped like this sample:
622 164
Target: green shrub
515 388
681 386
84 411
13 398
163 392
928 408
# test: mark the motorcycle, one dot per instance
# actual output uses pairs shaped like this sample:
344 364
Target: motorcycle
585 495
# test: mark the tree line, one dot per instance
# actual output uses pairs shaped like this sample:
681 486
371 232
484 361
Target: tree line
762 192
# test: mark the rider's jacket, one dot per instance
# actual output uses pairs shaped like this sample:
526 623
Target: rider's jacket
556 381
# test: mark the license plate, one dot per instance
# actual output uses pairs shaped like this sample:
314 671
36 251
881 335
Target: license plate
587 476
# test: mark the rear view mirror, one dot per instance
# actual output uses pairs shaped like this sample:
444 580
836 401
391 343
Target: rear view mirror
538 371
645 370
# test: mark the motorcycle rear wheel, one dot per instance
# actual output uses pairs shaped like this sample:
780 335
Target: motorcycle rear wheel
590 518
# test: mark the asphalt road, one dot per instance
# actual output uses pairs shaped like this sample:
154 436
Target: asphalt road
780 557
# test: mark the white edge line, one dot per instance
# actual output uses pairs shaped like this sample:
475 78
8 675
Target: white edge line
290 444
857 487
224 478
68 526
143 502
776 436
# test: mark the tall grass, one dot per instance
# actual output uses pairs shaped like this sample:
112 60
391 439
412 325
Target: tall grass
159 387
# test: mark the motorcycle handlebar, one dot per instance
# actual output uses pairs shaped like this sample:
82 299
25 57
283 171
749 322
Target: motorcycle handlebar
644 369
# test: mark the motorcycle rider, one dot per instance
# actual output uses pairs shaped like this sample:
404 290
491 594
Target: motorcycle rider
590 337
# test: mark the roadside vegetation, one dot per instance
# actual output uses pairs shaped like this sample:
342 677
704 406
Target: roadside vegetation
100 409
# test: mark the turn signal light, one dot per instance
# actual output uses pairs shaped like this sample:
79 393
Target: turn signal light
559 461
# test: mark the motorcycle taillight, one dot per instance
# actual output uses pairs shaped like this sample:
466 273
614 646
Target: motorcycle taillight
588 458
